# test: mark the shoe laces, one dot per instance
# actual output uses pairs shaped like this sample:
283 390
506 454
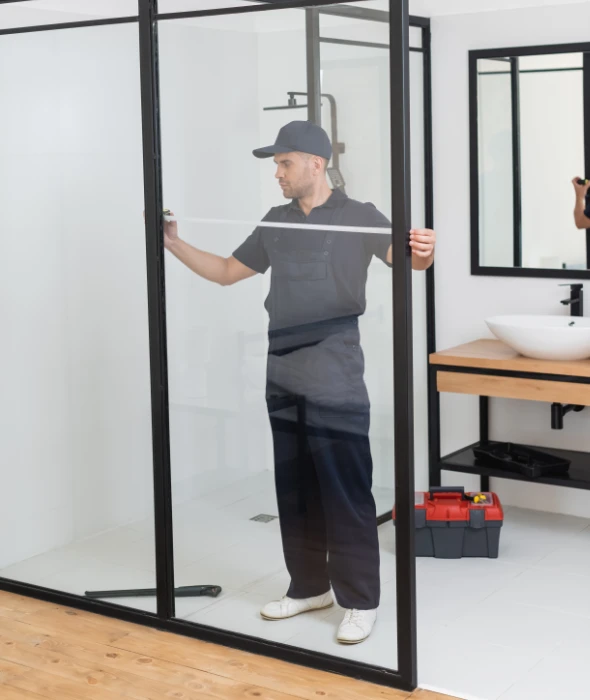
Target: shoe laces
353 617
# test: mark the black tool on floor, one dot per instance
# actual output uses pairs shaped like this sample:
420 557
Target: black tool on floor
182 592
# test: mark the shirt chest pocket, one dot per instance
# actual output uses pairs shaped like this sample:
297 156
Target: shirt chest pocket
300 267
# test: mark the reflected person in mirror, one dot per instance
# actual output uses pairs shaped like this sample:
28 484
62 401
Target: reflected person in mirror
316 396
582 206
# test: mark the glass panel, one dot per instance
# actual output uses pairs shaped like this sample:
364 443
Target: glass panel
416 37
166 6
76 398
496 204
39 12
234 470
419 278
545 82
347 29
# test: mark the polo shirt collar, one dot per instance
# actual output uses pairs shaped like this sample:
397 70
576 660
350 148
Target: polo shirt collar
334 200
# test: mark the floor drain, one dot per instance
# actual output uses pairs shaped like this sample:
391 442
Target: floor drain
262 518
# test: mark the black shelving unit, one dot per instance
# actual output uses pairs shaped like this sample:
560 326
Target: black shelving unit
578 476
464 460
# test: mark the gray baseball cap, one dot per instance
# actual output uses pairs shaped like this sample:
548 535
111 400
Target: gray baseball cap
305 137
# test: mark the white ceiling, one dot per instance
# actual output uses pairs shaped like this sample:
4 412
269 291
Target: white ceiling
52 11
434 8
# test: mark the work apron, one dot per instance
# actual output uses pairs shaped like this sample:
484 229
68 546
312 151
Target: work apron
319 414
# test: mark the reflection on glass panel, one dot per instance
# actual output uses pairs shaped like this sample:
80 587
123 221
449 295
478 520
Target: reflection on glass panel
495 163
531 140
281 417
166 6
416 37
77 393
419 305
347 29
551 102
34 13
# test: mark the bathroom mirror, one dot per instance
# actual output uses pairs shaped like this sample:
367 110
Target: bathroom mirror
530 153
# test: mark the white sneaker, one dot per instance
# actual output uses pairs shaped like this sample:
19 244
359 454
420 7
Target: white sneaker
356 626
289 607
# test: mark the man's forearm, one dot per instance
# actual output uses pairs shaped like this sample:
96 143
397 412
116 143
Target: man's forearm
419 263
207 265
580 218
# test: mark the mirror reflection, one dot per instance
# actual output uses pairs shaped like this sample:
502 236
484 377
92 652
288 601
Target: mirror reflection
529 145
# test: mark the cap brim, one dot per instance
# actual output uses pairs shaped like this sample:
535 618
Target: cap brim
269 151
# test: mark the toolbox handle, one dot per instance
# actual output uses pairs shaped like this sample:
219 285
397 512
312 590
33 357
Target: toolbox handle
456 490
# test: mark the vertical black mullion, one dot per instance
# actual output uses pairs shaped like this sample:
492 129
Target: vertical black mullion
516 170
586 93
150 108
312 44
403 341
434 452
484 434
474 163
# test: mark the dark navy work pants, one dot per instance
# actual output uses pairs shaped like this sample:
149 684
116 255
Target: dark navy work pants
319 415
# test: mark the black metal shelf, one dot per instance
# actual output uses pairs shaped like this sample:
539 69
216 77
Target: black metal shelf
578 476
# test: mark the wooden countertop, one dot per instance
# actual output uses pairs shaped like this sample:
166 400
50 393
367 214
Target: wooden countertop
494 354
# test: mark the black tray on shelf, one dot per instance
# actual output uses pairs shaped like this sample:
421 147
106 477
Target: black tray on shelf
518 458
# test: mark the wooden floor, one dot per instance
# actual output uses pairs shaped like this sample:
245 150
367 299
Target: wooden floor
50 651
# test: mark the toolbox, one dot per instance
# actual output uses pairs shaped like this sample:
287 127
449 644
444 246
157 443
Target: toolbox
451 524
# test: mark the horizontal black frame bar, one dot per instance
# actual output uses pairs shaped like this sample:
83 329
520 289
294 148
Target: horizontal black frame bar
353 42
69 25
246 10
312 659
555 273
530 70
369 44
503 53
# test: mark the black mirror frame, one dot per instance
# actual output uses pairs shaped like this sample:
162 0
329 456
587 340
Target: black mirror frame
474 56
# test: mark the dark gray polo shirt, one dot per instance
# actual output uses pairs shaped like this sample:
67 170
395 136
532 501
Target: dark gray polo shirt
350 256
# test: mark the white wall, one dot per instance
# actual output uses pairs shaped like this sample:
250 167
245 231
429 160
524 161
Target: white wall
464 301
76 444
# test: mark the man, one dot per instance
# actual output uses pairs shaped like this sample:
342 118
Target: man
316 397
582 206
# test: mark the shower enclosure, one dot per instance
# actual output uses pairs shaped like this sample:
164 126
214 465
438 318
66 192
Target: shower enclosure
140 452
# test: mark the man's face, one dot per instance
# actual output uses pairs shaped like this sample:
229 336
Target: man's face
295 173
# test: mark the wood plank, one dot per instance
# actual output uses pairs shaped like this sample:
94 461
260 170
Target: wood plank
55 653
277 675
80 624
427 695
9 693
136 669
513 388
494 354
12 602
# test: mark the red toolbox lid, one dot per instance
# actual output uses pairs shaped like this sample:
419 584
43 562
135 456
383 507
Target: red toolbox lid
452 504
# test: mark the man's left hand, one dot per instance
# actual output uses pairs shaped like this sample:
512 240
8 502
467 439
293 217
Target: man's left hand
422 242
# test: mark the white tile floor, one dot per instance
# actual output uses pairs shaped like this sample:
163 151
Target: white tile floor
514 628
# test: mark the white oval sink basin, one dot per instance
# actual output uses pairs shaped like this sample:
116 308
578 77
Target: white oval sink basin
544 337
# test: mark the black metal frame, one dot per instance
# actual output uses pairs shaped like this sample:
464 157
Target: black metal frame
147 19
515 53
516 170
463 460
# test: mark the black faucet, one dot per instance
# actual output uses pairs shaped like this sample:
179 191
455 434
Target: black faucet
576 299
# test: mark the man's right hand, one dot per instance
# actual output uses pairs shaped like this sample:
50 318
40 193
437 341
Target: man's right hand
581 190
170 233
